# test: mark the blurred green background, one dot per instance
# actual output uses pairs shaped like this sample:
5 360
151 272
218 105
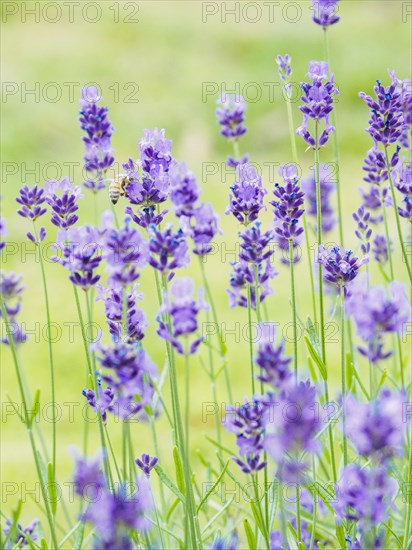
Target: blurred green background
164 56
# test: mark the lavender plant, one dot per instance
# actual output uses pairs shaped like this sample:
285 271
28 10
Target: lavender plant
346 462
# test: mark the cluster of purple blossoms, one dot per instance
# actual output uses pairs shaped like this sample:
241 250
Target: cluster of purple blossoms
376 428
231 115
284 66
340 266
155 153
318 102
19 536
97 142
364 495
128 375
327 187
80 254
62 208
184 191
3 232
377 311
380 249
113 513
246 199
287 210
253 272
168 250
146 463
31 201
125 320
203 228
271 359
403 182
406 99
125 252
325 12
248 424
363 232
292 429
10 290
178 316
387 123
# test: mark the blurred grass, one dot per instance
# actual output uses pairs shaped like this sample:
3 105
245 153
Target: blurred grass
170 53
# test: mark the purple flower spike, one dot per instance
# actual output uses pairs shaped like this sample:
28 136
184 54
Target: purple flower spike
184 190
244 276
97 142
246 199
340 267
80 254
11 289
284 66
272 361
231 115
182 310
103 402
63 208
403 182
155 153
3 232
327 187
376 428
147 463
325 12
31 201
363 231
22 534
203 228
380 249
287 210
168 250
88 474
318 98
387 123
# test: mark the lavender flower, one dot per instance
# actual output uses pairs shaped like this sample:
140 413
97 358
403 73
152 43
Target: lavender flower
376 312
128 375
81 255
119 306
232 162
98 149
102 402
246 199
88 473
10 290
287 210
181 311
327 187
340 267
363 231
168 250
380 249
271 360
284 66
63 208
376 428
184 190
21 535
247 423
3 232
403 182
203 229
318 102
325 12
229 543
125 251
147 463
386 123
406 100
149 190
31 201
375 166
364 495
231 115
155 154
244 276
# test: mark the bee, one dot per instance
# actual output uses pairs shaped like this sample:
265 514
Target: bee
117 188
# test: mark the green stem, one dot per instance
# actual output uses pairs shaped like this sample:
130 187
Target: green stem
50 350
249 315
298 513
335 146
305 225
409 497
398 223
343 374
292 284
26 421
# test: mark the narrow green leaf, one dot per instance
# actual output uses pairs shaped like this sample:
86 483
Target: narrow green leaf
43 544
312 370
225 449
313 335
292 530
316 358
168 482
362 387
180 478
382 380
216 516
172 509
258 518
219 479
35 409
301 546
340 535
16 410
51 487
249 535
